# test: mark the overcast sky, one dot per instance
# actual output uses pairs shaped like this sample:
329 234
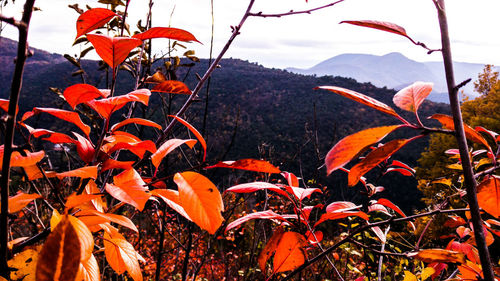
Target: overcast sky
293 41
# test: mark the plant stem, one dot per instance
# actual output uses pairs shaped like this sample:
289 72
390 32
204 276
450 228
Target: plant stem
470 181
17 80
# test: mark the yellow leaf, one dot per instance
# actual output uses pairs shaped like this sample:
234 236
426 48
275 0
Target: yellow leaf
426 273
409 276
24 264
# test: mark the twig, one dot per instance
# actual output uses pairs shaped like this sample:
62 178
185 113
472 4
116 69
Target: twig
470 181
9 133
381 258
260 14
363 228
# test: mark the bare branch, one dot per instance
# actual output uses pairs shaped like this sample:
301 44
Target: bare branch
290 13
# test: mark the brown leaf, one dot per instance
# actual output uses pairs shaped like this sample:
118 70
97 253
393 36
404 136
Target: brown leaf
59 259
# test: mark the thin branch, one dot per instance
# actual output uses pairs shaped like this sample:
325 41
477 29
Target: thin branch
17 80
292 12
13 21
469 179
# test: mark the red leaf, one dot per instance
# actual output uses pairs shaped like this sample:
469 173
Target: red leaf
105 107
265 215
53 137
84 148
366 100
269 249
81 93
201 200
4 105
65 115
488 195
166 32
248 165
380 25
195 132
341 206
347 148
84 173
314 237
411 97
336 216
168 147
113 50
390 205
374 158
255 186
21 200
447 122
291 179
93 19
172 87
113 164
171 198
139 121
302 193
138 148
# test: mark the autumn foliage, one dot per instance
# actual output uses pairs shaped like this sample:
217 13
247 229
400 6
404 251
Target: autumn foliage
121 208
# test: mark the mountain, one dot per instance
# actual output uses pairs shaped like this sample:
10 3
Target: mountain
253 112
395 71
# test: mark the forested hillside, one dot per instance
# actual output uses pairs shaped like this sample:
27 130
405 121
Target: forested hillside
253 112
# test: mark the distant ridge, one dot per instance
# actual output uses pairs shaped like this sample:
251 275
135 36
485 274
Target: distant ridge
394 70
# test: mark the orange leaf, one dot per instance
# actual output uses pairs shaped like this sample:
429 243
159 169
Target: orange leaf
438 255
139 121
289 252
84 237
81 93
21 200
168 147
248 165
336 216
172 87
75 200
105 107
118 219
65 115
374 158
347 148
488 195
129 188
98 204
447 122
158 77
269 249
166 32
264 215
59 259
171 198
84 148
113 164
89 270
366 100
122 256
113 50
201 200
411 97
18 160
380 25
84 173
196 134
93 19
